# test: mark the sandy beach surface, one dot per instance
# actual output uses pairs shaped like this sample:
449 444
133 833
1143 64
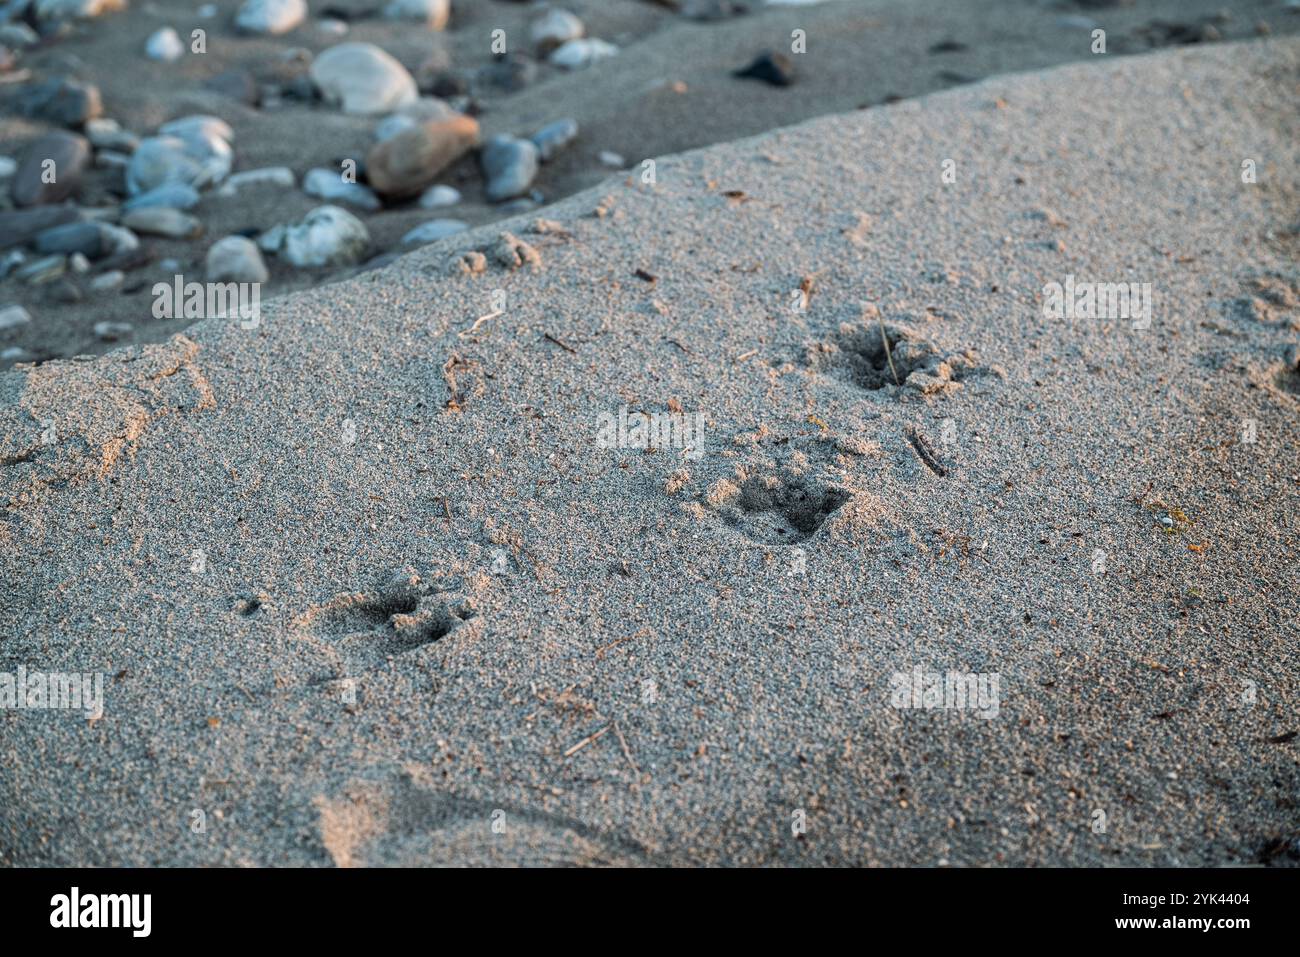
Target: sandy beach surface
369 588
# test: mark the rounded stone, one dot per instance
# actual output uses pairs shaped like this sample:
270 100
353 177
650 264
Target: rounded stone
363 79
235 259
270 16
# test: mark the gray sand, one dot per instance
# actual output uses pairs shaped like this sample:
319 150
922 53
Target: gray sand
635 668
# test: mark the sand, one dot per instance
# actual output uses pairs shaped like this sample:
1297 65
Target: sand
369 591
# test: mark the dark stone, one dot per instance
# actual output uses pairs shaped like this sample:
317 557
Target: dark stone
64 101
448 84
770 67
66 291
86 238
510 72
69 152
19 226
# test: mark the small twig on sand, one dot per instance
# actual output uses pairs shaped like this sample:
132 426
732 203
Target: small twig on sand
478 322
627 752
563 345
586 741
888 355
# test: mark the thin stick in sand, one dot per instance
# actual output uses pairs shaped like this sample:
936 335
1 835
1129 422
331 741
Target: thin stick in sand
885 339
586 741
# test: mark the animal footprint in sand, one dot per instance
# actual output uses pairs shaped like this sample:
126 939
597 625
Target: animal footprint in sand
399 617
1287 375
773 510
1272 300
877 356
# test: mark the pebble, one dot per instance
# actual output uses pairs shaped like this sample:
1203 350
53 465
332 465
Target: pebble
66 291
69 152
611 159
78 263
111 159
42 270
195 155
18 226
576 54
159 160
263 176
8 166
554 28
113 331
410 161
363 79
162 221
332 27
107 280
64 101
553 137
770 67
433 230
432 13
86 238
421 111
270 16
107 134
327 236
165 45
509 166
235 259
438 196
119 239
18 36
16 354
75 9
174 195
328 184
510 72
13 316
199 126
11 261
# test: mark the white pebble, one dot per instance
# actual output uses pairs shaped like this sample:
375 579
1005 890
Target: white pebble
165 44
11 316
436 196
